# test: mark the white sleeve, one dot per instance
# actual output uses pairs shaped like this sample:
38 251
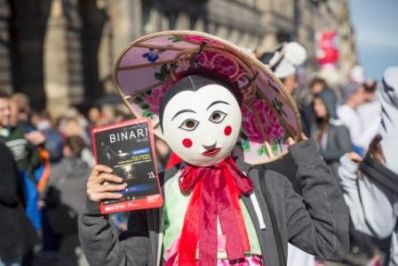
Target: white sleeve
394 249
377 202
360 136
298 257
347 173
367 135
371 210
350 120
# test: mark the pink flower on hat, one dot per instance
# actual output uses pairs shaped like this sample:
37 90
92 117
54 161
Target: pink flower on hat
156 96
220 64
226 66
266 119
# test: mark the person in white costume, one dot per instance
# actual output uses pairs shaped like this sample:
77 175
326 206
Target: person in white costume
372 195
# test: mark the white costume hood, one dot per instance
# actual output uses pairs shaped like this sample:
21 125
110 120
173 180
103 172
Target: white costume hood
388 95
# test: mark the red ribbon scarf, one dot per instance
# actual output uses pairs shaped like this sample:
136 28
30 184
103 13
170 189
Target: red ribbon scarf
215 193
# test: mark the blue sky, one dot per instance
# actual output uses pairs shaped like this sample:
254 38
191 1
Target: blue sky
376 26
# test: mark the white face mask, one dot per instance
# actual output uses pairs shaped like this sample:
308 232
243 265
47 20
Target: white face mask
202 126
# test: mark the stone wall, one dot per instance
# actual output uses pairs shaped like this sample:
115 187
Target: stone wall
5 64
64 50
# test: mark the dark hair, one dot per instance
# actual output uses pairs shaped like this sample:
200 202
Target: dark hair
370 87
4 94
375 150
321 121
76 145
194 83
317 80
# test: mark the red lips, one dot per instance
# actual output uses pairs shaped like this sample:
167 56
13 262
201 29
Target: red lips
212 152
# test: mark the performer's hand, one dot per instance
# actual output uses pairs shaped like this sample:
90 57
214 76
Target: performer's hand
291 141
303 136
102 185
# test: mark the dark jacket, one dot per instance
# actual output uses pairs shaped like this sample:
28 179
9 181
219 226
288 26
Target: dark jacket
17 235
28 160
286 167
65 194
25 153
317 224
338 143
379 173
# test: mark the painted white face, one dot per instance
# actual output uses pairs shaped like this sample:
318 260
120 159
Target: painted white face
202 126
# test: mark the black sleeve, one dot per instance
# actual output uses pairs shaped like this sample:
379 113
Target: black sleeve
103 245
8 178
344 145
317 221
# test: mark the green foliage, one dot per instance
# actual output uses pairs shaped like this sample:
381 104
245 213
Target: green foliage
162 74
275 148
175 38
147 113
245 145
262 150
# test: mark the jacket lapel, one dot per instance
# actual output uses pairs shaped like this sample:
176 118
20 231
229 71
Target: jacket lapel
258 213
155 227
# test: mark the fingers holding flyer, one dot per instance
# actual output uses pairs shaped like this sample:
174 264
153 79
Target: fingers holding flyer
102 185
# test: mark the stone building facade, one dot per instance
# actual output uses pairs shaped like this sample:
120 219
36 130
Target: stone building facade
61 52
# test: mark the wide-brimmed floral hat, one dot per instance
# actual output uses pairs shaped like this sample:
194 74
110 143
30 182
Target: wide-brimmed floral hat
148 67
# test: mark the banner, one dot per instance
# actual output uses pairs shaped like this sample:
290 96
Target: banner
327 48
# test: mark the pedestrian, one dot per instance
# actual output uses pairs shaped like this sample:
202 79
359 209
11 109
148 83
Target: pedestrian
17 235
353 96
330 134
316 86
23 145
64 199
53 137
369 113
284 62
371 187
74 124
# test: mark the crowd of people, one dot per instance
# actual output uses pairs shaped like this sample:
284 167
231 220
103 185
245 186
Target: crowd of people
45 162
345 123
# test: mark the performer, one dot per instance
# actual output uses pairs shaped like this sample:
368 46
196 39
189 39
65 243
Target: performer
201 88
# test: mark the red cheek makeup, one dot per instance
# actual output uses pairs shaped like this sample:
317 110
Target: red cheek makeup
187 143
227 130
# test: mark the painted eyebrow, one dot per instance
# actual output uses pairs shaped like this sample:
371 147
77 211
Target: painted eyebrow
216 102
183 111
